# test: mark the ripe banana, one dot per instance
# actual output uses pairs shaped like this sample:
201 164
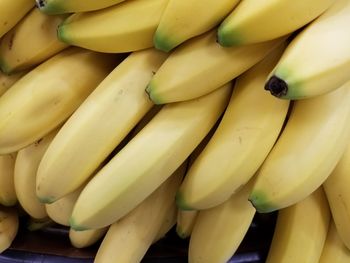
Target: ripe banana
7 188
6 81
218 231
128 239
200 66
245 136
301 231
334 249
168 223
47 95
307 151
125 27
185 223
336 188
9 224
26 167
318 59
255 21
32 41
81 239
11 12
183 20
98 126
52 7
158 149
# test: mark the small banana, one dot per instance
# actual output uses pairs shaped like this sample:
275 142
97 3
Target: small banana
185 223
8 195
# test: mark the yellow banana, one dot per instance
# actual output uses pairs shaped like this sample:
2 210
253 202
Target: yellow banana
158 149
6 81
218 231
307 151
318 59
125 27
168 223
245 136
185 223
47 95
81 239
183 20
128 239
200 66
7 188
98 126
301 231
62 6
255 21
9 224
30 42
11 12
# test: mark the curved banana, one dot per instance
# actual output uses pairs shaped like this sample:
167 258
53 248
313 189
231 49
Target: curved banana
336 188
47 95
98 126
9 224
185 222
158 149
301 231
318 59
86 238
183 20
240 144
53 7
6 81
8 195
254 21
125 27
26 167
218 231
129 238
30 42
11 12
334 249
311 144
203 66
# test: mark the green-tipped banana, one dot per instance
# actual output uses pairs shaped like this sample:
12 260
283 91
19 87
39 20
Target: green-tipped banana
183 20
311 144
218 231
100 124
9 225
129 238
147 160
6 81
11 12
8 195
318 59
125 27
301 231
81 239
200 66
245 136
255 21
49 94
32 41
185 223
53 7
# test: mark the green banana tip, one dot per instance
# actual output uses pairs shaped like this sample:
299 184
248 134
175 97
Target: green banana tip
4 67
150 92
227 38
50 7
181 234
46 199
277 86
181 202
260 202
73 224
162 42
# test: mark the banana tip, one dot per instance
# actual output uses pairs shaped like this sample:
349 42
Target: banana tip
278 87
162 43
75 226
151 95
181 203
260 203
46 199
227 38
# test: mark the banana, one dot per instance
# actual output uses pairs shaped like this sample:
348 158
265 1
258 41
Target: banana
185 223
218 231
6 81
334 249
315 62
245 136
81 239
125 27
338 196
147 160
7 188
26 167
201 65
301 231
34 224
53 7
254 21
30 42
9 224
49 94
183 20
11 12
168 223
128 239
307 151
98 126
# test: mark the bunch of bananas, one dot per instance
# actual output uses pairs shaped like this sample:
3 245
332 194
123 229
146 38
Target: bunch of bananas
122 118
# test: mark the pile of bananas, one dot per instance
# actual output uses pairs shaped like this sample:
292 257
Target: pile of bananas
120 119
